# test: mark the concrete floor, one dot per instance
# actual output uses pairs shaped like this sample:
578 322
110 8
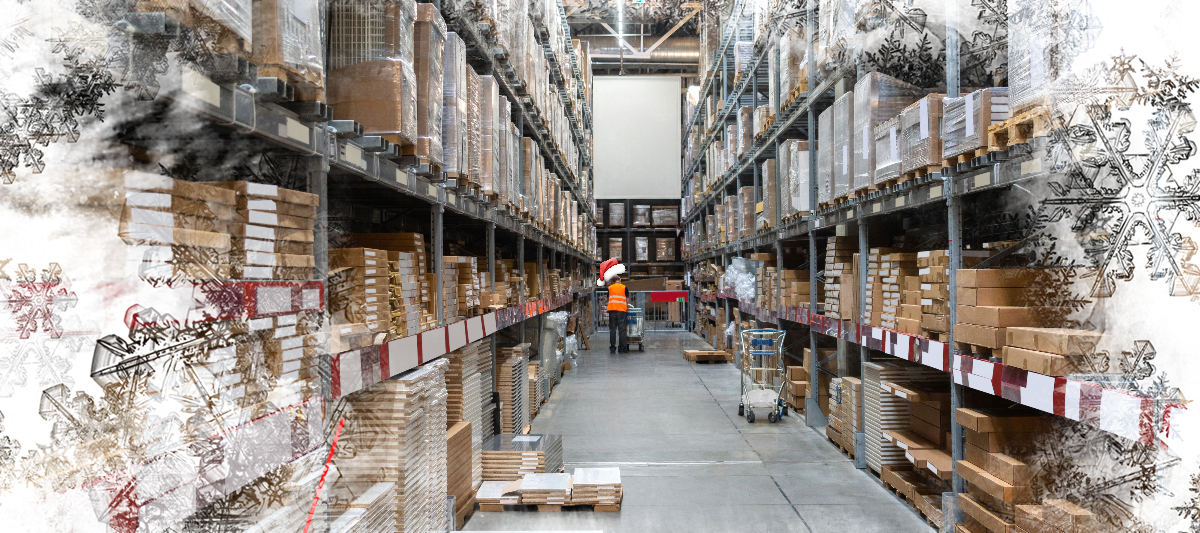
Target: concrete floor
689 462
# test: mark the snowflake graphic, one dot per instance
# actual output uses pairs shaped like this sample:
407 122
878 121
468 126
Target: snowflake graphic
1121 193
35 304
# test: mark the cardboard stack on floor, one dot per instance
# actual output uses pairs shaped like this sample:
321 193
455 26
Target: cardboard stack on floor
399 436
596 486
369 513
272 232
844 393
818 382
464 386
507 457
926 440
996 467
462 461
359 289
536 391
796 388
840 286
546 489
488 406
512 383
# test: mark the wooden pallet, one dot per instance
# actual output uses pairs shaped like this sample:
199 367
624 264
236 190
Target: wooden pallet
304 89
973 349
1036 122
847 452
919 173
954 161
549 508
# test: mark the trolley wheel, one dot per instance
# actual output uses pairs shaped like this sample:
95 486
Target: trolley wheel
641 347
783 412
749 416
772 417
742 410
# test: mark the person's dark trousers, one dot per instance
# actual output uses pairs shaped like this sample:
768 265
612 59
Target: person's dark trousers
616 330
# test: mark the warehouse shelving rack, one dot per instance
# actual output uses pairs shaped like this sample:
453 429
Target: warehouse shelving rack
628 231
364 184
940 201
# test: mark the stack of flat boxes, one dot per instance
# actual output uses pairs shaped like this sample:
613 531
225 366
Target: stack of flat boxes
887 413
462 463
1056 351
820 381
1059 516
898 274
874 304
405 294
995 302
797 387
467 289
933 268
996 465
844 394
359 292
927 437
273 228
413 243
839 253
178 230
536 391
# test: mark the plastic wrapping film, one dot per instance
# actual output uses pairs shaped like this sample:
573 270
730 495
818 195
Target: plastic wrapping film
1035 29
641 247
710 230
836 27
965 120
528 175
740 278
921 142
664 249
287 35
615 245
887 151
504 185
746 205
731 218
843 136
773 88
512 152
428 47
665 216
798 176
455 95
474 126
877 98
761 114
743 51
371 75
745 128
616 215
489 133
641 215
824 174
766 219
791 57
234 16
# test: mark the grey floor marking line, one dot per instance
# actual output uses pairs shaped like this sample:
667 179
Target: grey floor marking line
792 505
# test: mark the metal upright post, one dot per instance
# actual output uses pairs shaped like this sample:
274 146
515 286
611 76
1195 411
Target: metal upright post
864 353
491 255
954 230
521 285
438 212
317 170
813 416
541 316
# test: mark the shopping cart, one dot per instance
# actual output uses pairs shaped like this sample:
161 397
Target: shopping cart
762 358
635 324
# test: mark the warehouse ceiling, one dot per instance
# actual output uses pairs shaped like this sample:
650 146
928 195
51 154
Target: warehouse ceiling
661 36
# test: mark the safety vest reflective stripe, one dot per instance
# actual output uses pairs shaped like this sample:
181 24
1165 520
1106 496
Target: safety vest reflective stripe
616 298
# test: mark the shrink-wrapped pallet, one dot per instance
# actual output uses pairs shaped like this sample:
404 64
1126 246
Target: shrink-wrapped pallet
665 216
746 207
371 76
664 249
799 176
474 126
287 43
455 96
766 219
616 215
428 49
743 51
921 141
641 215
641 247
877 98
887 151
745 129
1036 51
490 134
824 174
615 248
965 120
843 164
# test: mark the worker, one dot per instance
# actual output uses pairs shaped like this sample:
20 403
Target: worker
618 305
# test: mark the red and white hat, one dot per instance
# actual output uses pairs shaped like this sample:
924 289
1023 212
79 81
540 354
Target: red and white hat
608 270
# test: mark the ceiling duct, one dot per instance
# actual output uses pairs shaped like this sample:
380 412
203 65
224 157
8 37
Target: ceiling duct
675 50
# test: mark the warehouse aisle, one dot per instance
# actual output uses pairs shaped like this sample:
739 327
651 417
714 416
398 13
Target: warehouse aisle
688 462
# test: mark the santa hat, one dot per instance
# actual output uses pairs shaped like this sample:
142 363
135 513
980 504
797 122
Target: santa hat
609 270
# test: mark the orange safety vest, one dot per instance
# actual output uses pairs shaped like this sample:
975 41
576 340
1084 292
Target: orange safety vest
616 298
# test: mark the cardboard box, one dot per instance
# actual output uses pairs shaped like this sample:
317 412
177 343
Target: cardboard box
939 323
271 259
357 257
1000 277
1007 468
985 336
377 94
1050 364
1000 420
279 247
203 192
272 192
993 485
1010 316
986 517
1068 517
136 215
1054 340
251 231
250 203
136 234
908 325
998 296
